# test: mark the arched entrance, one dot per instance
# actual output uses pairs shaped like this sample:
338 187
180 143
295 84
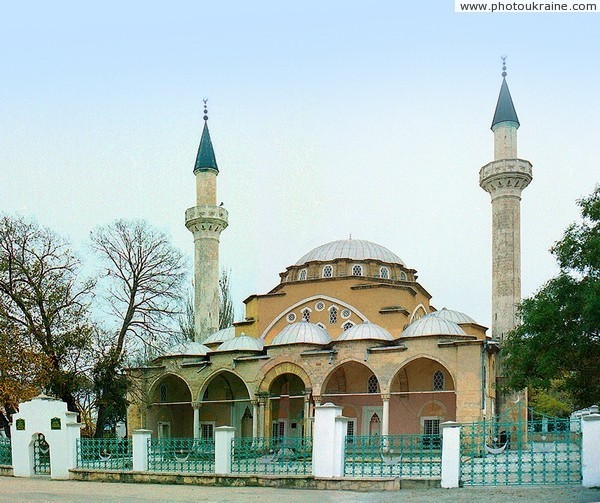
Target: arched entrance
41 455
422 396
287 406
171 413
354 386
225 401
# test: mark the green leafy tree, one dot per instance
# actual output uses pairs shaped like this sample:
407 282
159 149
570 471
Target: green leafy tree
558 343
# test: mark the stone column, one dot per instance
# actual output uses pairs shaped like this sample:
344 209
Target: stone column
307 432
196 407
590 440
223 437
255 413
140 449
385 420
450 454
261 417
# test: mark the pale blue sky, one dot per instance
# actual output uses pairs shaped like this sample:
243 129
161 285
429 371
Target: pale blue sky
327 118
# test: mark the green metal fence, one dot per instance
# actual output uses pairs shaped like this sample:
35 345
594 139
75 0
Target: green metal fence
540 451
41 456
408 456
5 452
104 453
183 455
280 455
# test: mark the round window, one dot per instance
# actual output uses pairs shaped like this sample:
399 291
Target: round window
319 306
291 317
346 313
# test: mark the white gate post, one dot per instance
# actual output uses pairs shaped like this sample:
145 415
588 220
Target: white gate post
328 441
590 440
450 454
223 438
140 449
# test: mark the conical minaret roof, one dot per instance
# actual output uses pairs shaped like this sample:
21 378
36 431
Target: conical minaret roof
505 109
205 159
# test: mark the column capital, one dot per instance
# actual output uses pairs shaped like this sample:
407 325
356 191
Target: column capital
385 397
196 405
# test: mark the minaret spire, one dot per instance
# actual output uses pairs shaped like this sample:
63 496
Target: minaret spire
206 221
504 179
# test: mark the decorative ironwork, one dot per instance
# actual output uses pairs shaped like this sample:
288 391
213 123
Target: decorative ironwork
105 453
280 455
189 455
538 451
5 452
393 456
41 456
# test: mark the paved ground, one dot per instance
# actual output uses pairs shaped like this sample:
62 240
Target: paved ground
38 490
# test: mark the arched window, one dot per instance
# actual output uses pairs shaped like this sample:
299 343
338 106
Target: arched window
438 380
357 270
333 315
347 325
322 326
375 425
302 275
384 273
402 276
163 393
327 271
306 314
372 384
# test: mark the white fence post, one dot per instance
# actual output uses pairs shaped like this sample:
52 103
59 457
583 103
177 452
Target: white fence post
450 454
590 440
328 441
223 438
140 449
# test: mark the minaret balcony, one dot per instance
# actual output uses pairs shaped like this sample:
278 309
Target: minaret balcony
505 177
206 218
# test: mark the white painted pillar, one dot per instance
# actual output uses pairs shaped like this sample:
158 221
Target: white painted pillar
307 416
590 440
140 449
261 417
450 454
223 437
385 421
328 441
254 419
196 407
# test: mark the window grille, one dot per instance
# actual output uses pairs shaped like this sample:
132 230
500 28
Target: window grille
438 380
384 273
348 325
373 384
207 430
306 315
333 314
327 271
431 426
163 392
357 270
302 276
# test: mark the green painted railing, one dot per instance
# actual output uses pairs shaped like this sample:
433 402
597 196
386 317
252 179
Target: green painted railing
523 452
281 455
183 455
104 453
407 456
5 452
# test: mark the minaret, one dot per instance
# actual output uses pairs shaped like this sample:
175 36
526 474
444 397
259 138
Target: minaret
504 179
206 221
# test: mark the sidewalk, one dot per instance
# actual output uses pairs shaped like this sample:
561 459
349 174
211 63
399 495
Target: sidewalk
45 490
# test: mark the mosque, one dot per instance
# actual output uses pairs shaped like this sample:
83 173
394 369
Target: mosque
348 323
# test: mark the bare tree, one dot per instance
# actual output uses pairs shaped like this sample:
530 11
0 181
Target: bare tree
144 274
226 310
43 303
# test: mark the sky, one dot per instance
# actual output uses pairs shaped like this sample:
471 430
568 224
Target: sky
328 119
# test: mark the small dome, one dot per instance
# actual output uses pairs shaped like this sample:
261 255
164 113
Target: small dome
188 348
302 332
353 249
432 325
364 331
221 336
453 316
242 343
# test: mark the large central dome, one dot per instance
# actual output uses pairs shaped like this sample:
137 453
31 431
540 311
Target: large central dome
353 249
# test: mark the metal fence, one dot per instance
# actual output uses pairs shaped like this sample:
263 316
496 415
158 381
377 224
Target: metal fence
5 452
183 455
406 456
104 453
542 451
279 455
